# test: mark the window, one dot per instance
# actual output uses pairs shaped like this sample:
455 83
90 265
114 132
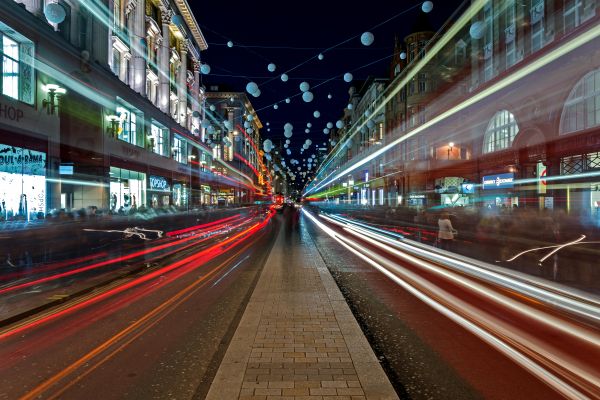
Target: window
572 14
117 16
460 53
537 25
422 83
509 33
83 30
488 42
582 108
159 139
129 122
179 150
17 65
501 132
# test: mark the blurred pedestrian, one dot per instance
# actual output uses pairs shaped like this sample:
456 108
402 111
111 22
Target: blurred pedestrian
446 232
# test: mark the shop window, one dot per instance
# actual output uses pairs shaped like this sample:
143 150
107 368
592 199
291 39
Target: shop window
582 108
130 126
17 65
127 190
501 132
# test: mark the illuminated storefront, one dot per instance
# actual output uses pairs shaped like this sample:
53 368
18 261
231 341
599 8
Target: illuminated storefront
159 191
22 183
498 190
180 194
127 190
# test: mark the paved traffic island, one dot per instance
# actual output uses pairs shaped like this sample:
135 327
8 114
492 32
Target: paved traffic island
298 338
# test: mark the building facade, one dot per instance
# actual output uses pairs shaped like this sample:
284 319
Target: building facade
506 115
104 100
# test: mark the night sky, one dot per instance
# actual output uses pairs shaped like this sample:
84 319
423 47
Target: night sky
271 30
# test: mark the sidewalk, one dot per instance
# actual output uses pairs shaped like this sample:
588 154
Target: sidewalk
297 338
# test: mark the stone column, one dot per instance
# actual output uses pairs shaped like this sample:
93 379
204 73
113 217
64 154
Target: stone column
138 48
196 97
164 57
182 91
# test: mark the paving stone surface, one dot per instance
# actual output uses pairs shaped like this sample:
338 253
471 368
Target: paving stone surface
297 338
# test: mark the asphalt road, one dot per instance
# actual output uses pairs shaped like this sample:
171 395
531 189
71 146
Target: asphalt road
161 339
425 355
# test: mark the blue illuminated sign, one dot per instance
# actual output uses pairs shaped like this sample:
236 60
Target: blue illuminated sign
468 188
500 181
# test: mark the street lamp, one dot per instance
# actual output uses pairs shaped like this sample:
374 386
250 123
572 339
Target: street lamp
450 146
54 91
114 124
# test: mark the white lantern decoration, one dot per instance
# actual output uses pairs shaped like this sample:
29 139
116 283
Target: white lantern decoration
308 142
257 93
288 151
250 117
367 113
309 125
228 125
268 145
275 106
329 125
250 130
288 134
247 124
316 114
287 141
329 96
230 44
205 123
370 124
307 130
307 96
350 106
251 87
367 39
288 126
55 13
288 100
403 55
427 6
348 77
212 107
320 56
339 124
326 131
477 30
304 86
205 69
285 146
284 77
271 67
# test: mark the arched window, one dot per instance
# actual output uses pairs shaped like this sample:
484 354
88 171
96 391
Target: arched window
582 108
501 132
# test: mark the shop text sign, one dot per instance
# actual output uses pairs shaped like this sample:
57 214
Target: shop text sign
17 160
159 183
499 181
11 113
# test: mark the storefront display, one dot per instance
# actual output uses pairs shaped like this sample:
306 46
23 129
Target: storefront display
180 194
22 183
127 190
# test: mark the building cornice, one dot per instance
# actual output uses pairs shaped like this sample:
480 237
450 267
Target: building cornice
190 20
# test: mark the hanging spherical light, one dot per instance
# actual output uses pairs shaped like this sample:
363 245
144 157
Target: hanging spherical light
275 106
284 77
329 96
350 106
477 30
339 124
271 67
251 87
287 100
329 125
367 38
348 77
427 6
205 69
326 131
212 107
316 114
321 56
307 97
403 55
230 44
304 86
55 13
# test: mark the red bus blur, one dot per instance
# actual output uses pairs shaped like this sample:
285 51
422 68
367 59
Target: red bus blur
278 200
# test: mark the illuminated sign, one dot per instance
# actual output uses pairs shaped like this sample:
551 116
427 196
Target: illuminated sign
159 183
416 196
468 188
499 181
65 169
